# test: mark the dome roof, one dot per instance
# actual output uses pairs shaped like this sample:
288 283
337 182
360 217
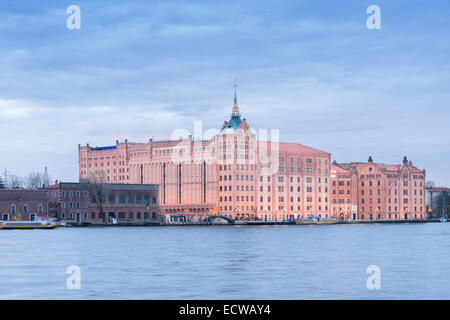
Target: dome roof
232 125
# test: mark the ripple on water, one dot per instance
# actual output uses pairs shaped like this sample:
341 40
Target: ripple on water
291 262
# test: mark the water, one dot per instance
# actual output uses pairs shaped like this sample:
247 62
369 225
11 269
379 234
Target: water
228 262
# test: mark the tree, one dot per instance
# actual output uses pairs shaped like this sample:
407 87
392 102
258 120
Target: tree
14 182
441 204
34 180
94 184
2 183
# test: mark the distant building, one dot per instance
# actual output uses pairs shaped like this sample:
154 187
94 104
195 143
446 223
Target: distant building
385 192
74 202
236 175
25 204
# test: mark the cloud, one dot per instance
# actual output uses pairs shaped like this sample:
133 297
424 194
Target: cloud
138 70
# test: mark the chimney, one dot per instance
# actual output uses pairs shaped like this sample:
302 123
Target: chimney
370 159
405 160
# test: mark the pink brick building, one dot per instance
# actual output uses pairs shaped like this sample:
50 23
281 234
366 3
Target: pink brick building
233 174
344 194
237 175
384 191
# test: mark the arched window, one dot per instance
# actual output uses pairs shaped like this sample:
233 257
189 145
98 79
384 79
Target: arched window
25 208
13 208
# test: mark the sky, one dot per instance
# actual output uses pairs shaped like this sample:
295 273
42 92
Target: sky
142 69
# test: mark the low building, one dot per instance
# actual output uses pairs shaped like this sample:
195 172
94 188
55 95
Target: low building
126 203
76 202
23 204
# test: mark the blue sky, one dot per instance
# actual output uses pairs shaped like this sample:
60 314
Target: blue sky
141 69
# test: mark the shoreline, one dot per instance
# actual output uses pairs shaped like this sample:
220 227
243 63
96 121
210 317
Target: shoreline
250 223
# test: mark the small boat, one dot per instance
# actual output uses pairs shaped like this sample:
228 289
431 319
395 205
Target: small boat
40 223
317 220
443 219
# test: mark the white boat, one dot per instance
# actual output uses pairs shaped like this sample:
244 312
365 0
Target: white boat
28 225
40 223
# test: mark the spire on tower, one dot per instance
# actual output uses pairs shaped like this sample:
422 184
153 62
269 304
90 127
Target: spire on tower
235 110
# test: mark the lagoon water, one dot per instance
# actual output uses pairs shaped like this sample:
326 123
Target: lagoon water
228 262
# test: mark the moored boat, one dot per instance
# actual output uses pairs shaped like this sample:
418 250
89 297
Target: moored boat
40 223
317 220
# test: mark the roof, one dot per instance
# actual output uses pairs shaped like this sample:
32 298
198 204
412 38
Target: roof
23 194
232 125
53 186
339 169
388 167
290 147
397 167
438 189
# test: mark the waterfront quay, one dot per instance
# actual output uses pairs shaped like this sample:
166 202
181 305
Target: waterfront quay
218 222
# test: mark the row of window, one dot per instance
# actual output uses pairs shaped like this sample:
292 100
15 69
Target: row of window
228 178
121 216
130 199
238 167
405 209
25 208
